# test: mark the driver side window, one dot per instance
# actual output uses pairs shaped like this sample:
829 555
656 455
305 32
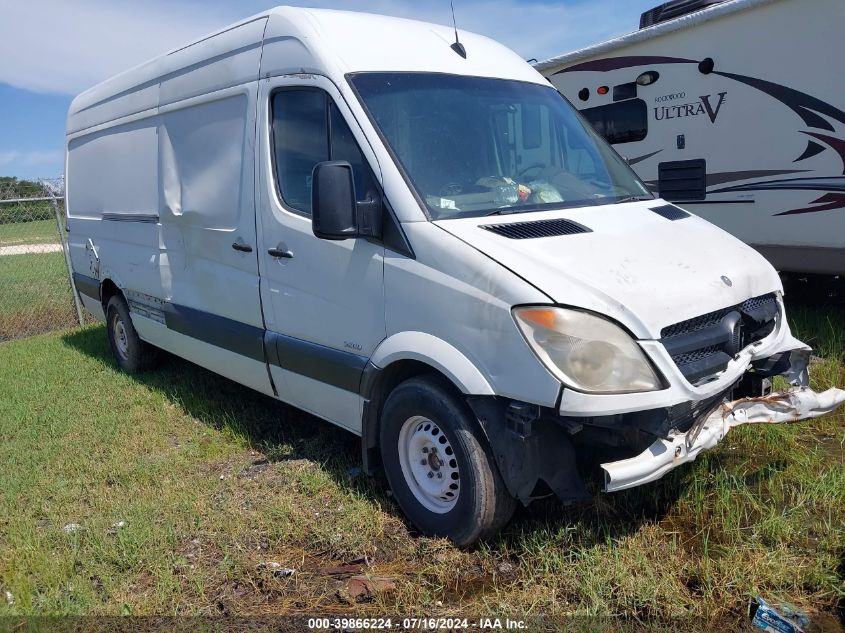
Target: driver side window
307 128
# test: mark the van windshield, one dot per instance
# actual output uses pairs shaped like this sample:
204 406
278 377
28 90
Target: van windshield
480 146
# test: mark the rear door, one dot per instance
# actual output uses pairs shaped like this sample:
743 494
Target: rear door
323 300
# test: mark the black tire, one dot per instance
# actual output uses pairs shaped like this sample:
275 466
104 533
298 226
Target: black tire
483 505
130 352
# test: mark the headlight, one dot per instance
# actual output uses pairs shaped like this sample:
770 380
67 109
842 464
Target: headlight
586 352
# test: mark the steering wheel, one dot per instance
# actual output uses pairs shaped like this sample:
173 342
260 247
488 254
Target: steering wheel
524 171
451 189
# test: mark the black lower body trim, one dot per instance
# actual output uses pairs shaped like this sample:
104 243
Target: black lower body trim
88 286
326 364
241 338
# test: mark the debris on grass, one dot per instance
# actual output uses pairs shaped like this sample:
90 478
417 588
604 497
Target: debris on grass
361 588
276 569
506 568
116 526
10 599
70 528
355 566
787 620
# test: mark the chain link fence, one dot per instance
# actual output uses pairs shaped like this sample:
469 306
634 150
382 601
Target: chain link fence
35 285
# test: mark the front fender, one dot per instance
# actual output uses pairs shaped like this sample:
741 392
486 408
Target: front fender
436 352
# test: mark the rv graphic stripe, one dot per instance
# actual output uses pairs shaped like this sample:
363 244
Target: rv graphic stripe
804 105
813 149
827 202
834 198
615 63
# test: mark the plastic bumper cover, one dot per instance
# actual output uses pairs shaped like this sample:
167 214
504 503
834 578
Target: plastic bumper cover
679 448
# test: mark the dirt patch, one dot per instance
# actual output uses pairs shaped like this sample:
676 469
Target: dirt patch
39 320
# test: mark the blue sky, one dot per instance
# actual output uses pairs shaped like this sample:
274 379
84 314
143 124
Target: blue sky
54 49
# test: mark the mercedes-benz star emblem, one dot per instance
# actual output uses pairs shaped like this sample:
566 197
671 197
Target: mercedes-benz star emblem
727 280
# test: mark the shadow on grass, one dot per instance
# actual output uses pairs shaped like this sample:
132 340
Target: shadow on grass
283 432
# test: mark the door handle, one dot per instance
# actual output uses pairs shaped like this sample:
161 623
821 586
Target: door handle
277 252
243 248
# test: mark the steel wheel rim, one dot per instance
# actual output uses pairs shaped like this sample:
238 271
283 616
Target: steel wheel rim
119 334
429 464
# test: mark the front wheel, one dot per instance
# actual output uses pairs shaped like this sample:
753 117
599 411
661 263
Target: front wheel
439 465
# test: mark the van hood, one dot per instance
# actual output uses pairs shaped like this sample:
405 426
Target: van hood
633 265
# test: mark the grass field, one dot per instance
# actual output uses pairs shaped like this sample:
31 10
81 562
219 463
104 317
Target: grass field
35 294
37 232
215 483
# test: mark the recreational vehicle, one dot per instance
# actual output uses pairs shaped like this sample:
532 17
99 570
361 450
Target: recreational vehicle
733 110
406 231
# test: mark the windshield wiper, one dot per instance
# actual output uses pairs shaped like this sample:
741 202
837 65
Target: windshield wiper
634 199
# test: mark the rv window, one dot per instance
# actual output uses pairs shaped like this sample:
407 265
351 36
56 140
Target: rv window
309 129
623 122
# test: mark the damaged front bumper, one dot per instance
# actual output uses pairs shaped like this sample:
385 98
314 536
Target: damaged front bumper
665 454
779 352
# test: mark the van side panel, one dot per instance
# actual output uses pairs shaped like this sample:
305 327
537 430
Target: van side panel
112 205
157 200
102 164
230 58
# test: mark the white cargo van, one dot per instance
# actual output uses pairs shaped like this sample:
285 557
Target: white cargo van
420 241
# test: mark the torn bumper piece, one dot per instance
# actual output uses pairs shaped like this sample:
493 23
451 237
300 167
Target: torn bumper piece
679 448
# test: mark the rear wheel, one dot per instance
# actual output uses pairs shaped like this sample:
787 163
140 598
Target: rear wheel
439 465
131 353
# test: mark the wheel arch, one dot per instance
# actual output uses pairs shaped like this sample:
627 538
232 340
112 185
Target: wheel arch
399 358
108 289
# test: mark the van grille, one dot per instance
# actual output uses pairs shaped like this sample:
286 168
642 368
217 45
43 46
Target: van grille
537 228
704 345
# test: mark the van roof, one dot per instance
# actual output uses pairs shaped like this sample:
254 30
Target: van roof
680 23
295 40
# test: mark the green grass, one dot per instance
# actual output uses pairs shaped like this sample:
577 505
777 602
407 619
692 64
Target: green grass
36 232
35 295
213 479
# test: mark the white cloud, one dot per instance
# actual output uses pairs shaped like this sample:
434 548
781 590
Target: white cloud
34 158
65 47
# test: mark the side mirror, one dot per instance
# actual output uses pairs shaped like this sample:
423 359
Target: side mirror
335 212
